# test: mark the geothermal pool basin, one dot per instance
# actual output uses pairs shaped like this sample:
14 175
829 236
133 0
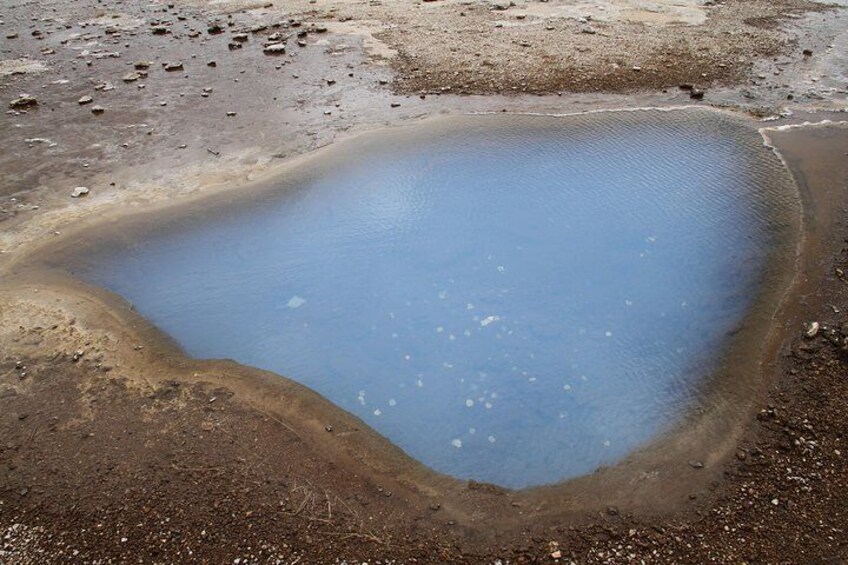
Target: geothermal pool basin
516 300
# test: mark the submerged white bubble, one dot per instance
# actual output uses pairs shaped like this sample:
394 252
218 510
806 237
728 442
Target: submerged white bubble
296 302
489 320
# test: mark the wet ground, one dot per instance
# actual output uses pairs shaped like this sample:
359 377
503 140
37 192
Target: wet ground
113 451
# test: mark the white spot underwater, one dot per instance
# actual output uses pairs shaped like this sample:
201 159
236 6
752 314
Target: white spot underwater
489 320
296 302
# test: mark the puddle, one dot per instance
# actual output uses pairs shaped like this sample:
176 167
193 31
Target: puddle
512 299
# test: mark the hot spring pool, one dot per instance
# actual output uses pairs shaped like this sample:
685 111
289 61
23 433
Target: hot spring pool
511 299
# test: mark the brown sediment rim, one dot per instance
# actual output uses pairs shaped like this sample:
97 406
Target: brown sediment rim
655 480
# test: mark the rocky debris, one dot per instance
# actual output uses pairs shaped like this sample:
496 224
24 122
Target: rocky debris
85 100
79 192
97 109
696 94
131 77
142 65
274 49
172 66
23 101
214 28
212 64
240 37
11 35
159 30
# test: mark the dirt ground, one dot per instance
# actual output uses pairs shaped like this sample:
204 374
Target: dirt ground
114 449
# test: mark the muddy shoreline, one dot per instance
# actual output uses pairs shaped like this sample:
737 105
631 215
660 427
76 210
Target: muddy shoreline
117 449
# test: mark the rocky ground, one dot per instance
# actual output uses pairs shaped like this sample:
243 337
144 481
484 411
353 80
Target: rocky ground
108 455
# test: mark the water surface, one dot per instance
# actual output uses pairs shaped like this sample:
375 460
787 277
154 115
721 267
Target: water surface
516 300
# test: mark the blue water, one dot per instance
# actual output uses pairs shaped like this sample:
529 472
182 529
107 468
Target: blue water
511 300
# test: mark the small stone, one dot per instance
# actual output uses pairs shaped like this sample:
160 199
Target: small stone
214 28
79 192
23 101
696 94
696 464
274 49
131 77
170 66
808 52
231 114
212 64
556 554
160 30
85 100
240 37
98 109
141 65
812 330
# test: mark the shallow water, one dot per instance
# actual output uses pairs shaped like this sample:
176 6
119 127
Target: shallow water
516 300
